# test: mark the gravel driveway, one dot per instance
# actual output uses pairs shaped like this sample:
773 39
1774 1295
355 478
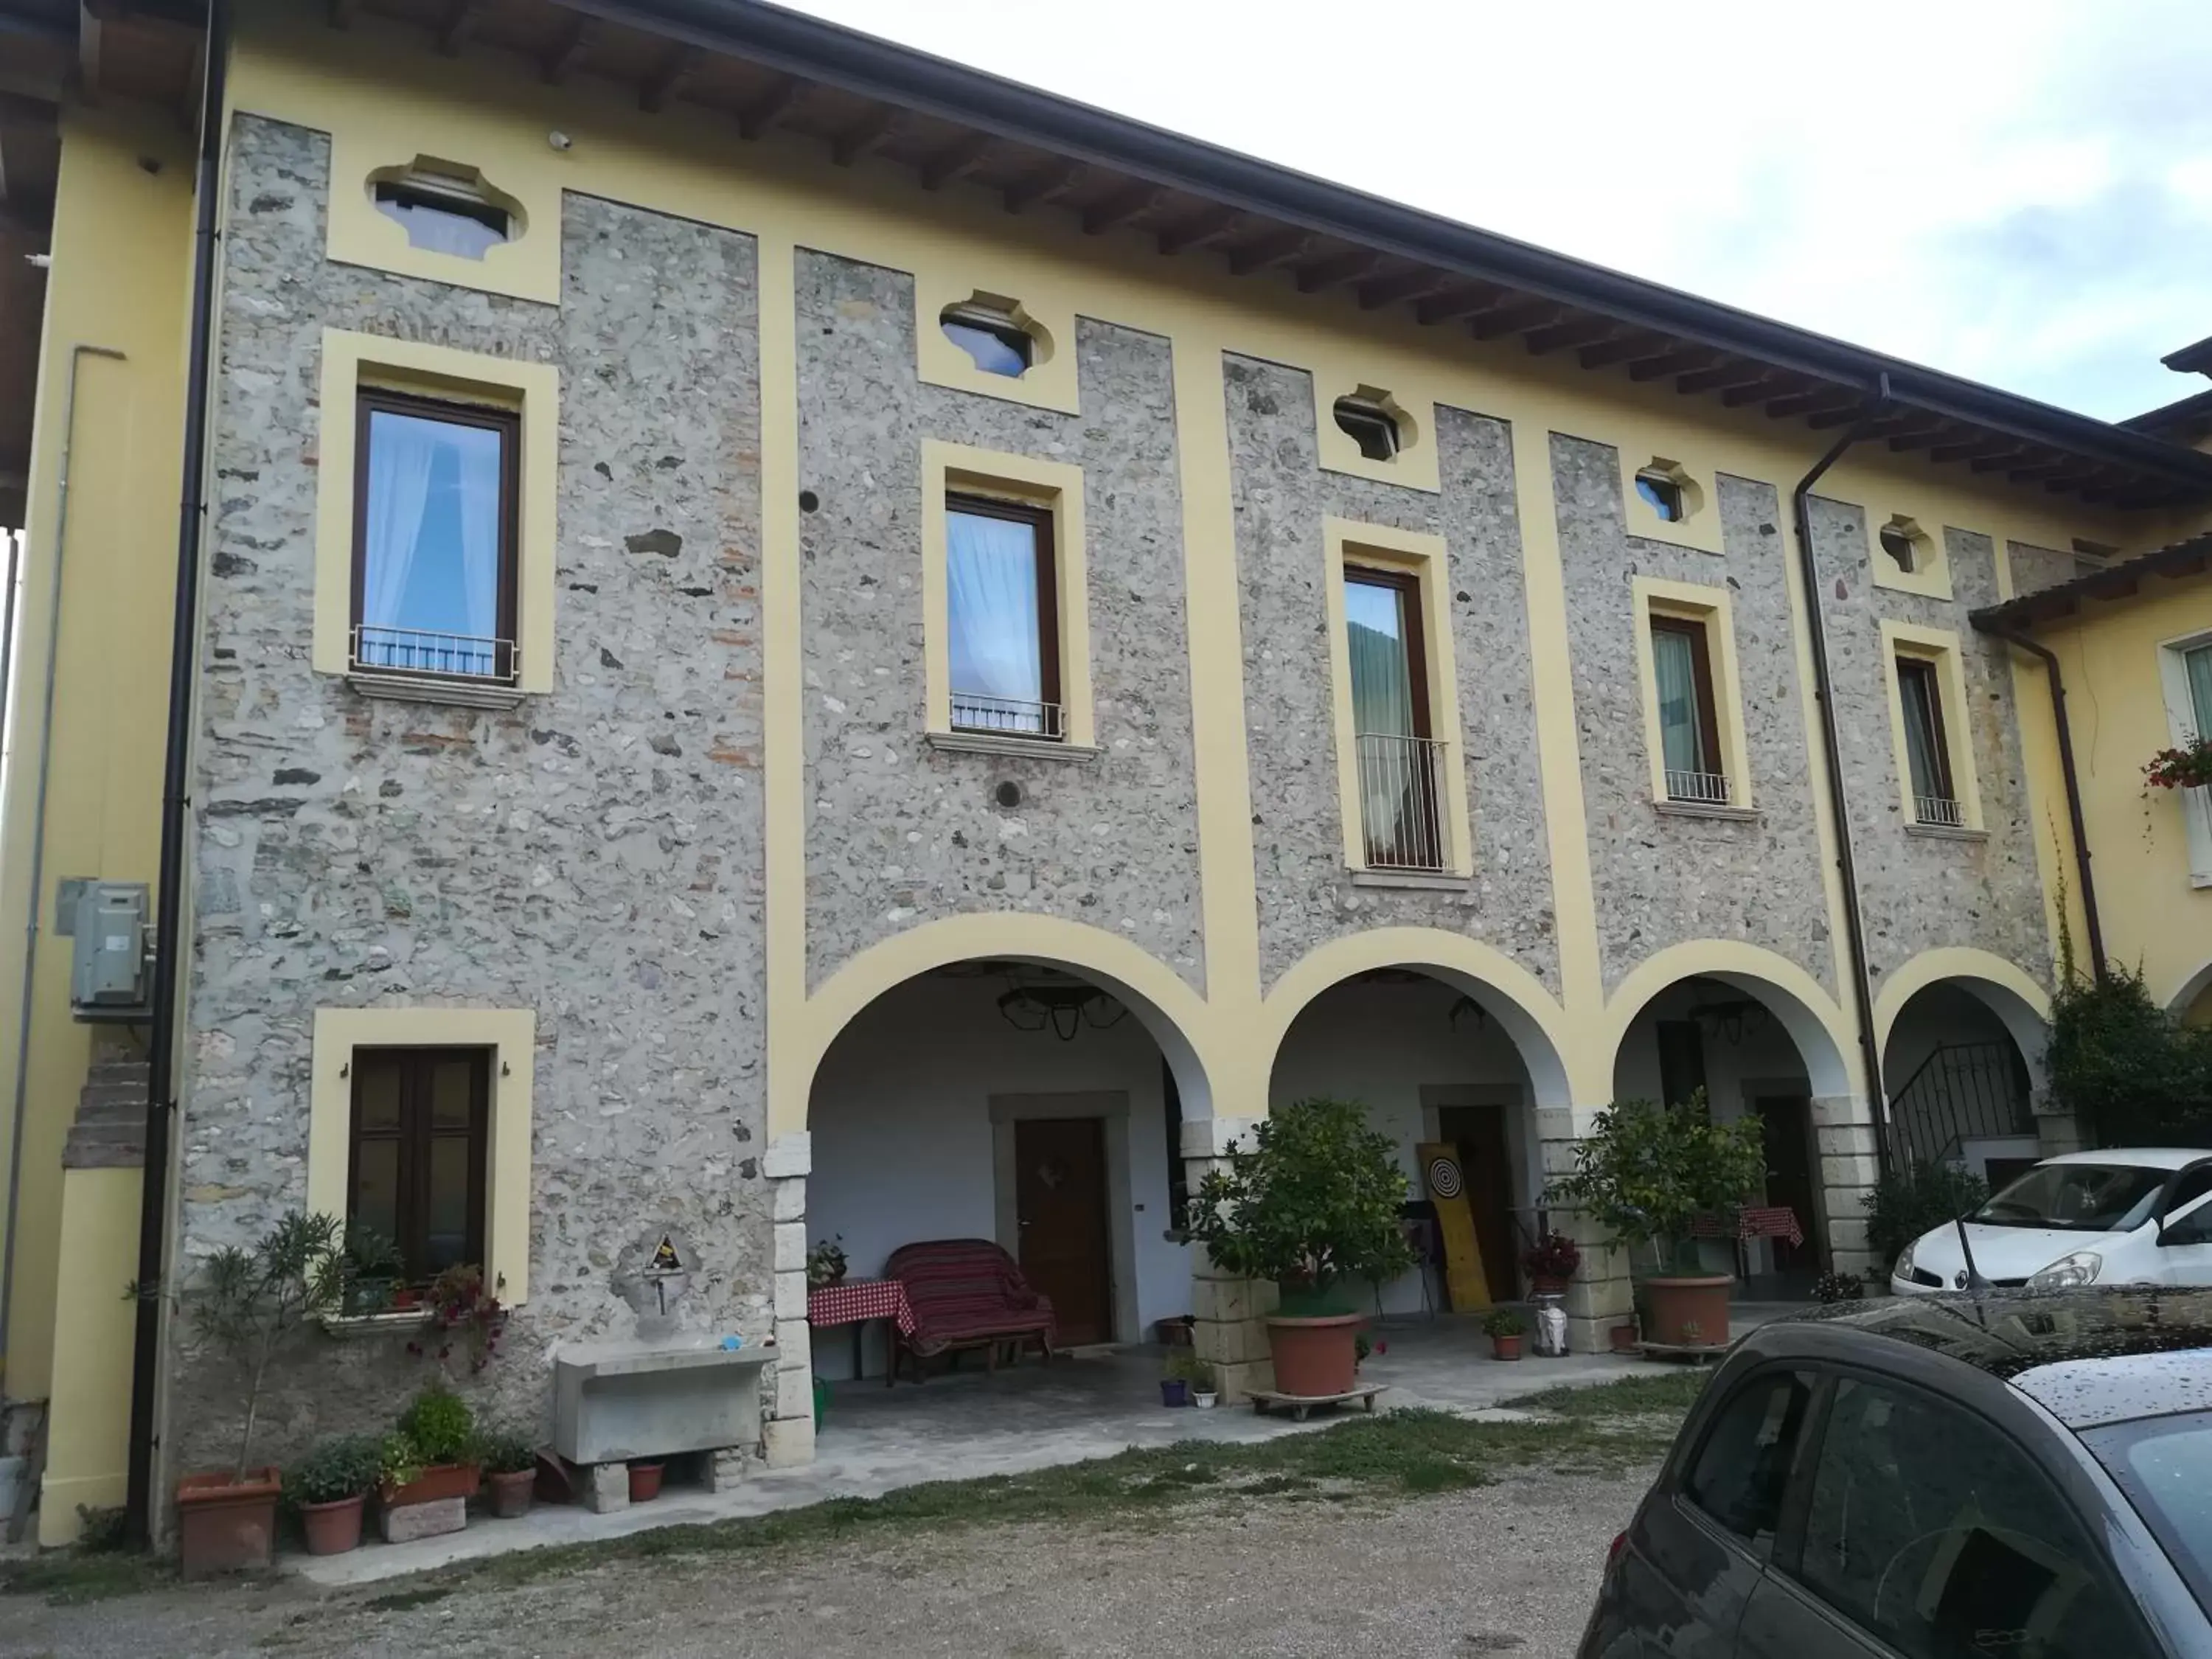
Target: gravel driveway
1507 1568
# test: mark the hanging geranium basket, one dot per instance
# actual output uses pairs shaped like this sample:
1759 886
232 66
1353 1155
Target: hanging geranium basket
2189 767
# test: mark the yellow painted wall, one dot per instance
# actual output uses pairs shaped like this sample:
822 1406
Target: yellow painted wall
122 232
88 1427
2155 918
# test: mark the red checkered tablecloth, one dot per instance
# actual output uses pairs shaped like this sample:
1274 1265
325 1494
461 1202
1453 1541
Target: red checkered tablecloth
856 1299
1756 1221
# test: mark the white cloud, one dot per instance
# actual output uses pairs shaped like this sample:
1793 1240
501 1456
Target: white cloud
2019 192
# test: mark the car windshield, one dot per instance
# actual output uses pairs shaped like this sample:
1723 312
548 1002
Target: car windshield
2164 1464
2092 1198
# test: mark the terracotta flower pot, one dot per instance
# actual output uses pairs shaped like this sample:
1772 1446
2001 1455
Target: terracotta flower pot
224 1524
1506 1347
511 1493
331 1528
1690 1311
644 1482
1623 1338
1545 1284
439 1480
1315 1358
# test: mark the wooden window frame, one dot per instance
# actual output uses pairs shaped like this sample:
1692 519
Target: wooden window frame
1710 750
1407 584
1045 543
369 400
1929 675
414 1135
1352 412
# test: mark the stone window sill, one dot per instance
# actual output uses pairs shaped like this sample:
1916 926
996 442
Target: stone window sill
1692 809
2200 878
455 694
1945 832
1414 880
345 1327
982 743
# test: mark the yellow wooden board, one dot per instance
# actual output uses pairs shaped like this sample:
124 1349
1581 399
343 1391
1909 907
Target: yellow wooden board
1466 1285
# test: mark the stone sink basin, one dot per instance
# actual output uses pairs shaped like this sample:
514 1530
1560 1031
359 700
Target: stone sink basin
613 1401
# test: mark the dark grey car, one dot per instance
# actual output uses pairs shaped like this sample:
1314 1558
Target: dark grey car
2014 1475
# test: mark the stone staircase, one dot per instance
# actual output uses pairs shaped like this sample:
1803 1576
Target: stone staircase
110 1130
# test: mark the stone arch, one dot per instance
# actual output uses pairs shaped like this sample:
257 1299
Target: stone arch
1169 1009
2193 987
1526 1010
1795 998
2021 1005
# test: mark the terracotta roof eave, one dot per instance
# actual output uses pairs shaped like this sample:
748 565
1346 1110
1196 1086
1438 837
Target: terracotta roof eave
2118 581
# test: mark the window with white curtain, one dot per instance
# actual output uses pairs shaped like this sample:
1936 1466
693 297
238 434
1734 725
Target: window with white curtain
1002 615
433 538
2196 672
1400 790
1689 721
1927 750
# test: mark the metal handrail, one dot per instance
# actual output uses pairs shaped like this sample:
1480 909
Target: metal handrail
1939 810
1007 717
1701 788
407 652
1962 1091
1401 800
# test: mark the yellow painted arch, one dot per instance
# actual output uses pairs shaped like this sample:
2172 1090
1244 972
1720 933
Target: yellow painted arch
1167 1008
1823 1036
2004 986
1528 1012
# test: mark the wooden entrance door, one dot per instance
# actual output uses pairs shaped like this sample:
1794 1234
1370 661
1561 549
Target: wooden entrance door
1486 1159
1786 1120
1060 1206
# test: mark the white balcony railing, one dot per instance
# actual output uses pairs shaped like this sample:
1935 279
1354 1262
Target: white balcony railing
1007 717
1699 789
1400 794
422 653
1939 811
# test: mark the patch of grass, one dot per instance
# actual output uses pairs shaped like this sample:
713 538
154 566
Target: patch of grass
66 1577
401 1600
1673 1392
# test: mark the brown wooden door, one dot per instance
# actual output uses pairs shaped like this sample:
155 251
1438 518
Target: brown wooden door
1060 1203
1486 1160
1784 1119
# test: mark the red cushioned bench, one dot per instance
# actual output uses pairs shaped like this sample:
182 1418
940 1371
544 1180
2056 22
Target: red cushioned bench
966 1293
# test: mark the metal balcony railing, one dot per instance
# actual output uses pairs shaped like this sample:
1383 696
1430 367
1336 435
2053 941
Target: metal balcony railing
423 653
1701 788
1007 717
1962 1091
1939 811
1401 796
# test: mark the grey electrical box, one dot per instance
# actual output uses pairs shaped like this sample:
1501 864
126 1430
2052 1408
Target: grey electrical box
107 972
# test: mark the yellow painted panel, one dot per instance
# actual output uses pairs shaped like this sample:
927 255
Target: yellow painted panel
89 1425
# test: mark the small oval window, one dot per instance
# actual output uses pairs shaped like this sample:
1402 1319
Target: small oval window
444 212
995 339
1662 492
1371 423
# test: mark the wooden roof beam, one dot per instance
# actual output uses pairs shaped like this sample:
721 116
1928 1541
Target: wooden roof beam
1198 229
1619 350
1722 375
575 46
1405 285
1443 308
1270 249
771 106
1119 208
1679 361
956 160
665 84
2040 463
863 135
1054 178
90 31
1511 318
461 20
1817 400
1976 448
1773 383
1336 268
1571 332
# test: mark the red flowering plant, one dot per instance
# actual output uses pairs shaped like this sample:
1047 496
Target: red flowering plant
461 1310
2189 767
1552 1259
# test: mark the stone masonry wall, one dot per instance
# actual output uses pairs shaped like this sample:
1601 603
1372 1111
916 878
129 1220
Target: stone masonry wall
1918 890
1661 877
900 833
1307 897
594 854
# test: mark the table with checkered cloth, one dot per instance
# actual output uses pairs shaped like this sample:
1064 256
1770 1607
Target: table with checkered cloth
852 1300
1754 1221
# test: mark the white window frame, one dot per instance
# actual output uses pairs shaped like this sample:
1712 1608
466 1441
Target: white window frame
2180 720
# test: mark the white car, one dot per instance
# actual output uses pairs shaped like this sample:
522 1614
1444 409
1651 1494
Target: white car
2126 1216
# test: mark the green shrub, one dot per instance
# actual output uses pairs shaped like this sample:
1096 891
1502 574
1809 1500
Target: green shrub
1504 1322
439 1426
399 1463
346 1466
1910 1198
1315 1200
505 1451
2132 1073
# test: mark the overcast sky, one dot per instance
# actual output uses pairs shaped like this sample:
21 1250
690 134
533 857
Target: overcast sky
2021 192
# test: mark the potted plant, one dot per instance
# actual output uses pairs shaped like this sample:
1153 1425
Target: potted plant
1313 1203
462 1311
1180 1371
1549 1262
249 1305
2188 767
374 1269
437 1435
1647 1172
825 1262
508 1459
1205 1392
325 1489
1623 1337
644 1479
1505 1329
1833 1287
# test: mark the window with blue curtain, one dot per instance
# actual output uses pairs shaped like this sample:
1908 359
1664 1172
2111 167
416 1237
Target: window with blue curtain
1002 648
